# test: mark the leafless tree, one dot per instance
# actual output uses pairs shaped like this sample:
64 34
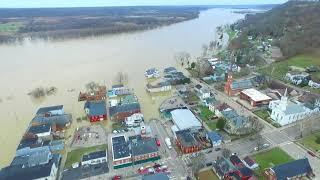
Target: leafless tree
92 86
226 153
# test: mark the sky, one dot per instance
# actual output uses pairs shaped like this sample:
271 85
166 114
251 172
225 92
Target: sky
96 3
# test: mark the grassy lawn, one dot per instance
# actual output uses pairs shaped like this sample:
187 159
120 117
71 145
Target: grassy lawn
310 142
263 114
11 26
206 115
279 69
76 155
206 175
270 158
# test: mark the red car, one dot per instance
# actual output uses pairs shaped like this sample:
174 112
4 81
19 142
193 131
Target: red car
117 177
158 142
311 154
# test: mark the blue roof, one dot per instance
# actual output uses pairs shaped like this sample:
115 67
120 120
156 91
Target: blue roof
60 120
40 129
243 84
34 157
292 169
239 121
152 71
229 114
94 155
214 136
169 69
44 110
96 108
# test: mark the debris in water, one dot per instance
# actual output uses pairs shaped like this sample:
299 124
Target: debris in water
42 92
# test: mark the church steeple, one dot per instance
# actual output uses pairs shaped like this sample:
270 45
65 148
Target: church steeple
284 100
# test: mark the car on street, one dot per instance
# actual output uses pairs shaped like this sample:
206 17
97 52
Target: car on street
210 151
158 142
117 177
217 149
311 153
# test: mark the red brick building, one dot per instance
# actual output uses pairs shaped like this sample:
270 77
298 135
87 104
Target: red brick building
254 97
186 142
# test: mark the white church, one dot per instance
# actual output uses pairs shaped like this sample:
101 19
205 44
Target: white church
285 112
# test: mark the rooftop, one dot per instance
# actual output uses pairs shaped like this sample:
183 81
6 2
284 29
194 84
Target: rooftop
214 136
30 142
44 110
141 146
293 168
256 95
123 108
61 120
96 108
120 148
94 155
249 161
129 99
40 129
186 138
33 158
185 119
242 84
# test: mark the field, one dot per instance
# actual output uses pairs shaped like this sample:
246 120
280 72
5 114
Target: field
10 27
76 155
206 175
270 158
311 142
279 69
263 114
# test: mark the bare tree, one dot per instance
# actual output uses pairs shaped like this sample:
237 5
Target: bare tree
92 86
226 153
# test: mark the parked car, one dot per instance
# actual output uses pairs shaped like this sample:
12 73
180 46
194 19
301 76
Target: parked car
158 142
117 177
217 149
311 154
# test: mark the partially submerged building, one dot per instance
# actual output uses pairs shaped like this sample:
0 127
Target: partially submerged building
96 110
51 110
97 157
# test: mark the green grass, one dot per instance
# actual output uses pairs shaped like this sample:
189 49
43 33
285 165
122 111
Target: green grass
263 114
310 142
279 69
206 175
11 26
270 158
206 115
76 155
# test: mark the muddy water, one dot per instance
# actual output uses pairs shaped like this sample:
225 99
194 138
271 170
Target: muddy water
73 63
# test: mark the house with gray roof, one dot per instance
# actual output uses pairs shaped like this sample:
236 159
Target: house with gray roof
236 124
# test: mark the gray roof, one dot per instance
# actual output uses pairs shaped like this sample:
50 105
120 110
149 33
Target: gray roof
123 108
239 121
44 110
243 84
39 129
60 120
96 108
229 114
141 146
293 108
30 142
120 148
185 119
94 155
187 138
33 157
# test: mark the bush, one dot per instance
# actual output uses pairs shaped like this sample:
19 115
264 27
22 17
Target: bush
221 123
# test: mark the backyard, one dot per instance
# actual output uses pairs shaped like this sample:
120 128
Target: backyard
206 115
312 142
76 155
270 158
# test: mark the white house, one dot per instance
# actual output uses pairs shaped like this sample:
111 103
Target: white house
285 112
94 158
314 84
134 120
152 73
202 91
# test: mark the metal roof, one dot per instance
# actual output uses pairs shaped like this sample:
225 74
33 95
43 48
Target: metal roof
140 146
61 120
94 155
185 119
124 108
44 110
96 108
120 148
256 95
40 129
292 169
214 136
243 84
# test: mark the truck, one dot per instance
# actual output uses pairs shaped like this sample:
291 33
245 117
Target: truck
168 142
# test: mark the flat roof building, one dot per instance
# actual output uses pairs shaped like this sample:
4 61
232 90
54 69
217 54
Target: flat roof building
185 119
255 97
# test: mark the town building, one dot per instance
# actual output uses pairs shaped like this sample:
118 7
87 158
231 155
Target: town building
250 163
202 92
169 70
122 111
161 86
185 119
41 131
297 169
51 110
134 120
314 83
222 166
255 97
236 161
236 124
32 157
58 122
96 94
297 77
96 110
187 142
219 108
285 112
243 173
152 73
232 88
121 156
97 157
119 90
48 171
215 138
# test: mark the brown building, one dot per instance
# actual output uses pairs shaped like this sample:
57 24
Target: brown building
187 142
232 87
254 97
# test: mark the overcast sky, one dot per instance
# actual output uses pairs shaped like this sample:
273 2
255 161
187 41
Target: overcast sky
93 3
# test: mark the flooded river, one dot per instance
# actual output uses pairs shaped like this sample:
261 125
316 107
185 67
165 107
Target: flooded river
73 63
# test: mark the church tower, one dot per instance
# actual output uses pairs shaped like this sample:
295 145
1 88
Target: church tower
284 101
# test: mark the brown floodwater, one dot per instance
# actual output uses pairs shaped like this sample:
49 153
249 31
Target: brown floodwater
70 64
